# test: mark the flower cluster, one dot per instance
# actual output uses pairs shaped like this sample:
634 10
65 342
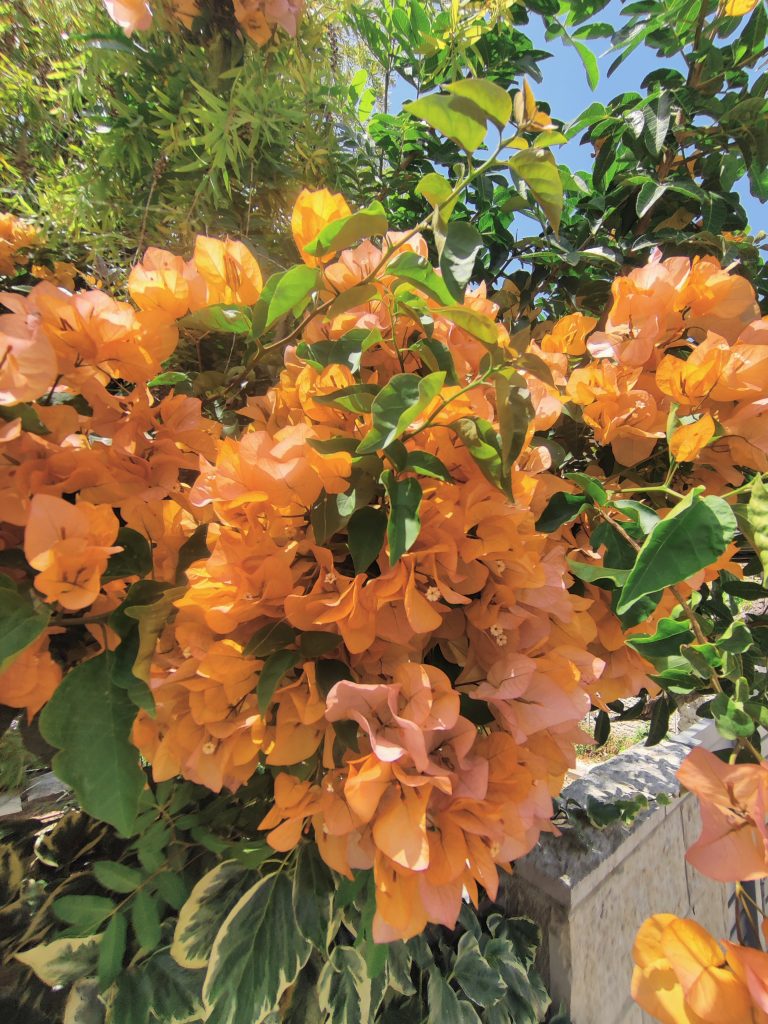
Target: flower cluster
15 234
374 623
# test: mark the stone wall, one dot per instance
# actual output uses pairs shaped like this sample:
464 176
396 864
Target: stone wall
590 889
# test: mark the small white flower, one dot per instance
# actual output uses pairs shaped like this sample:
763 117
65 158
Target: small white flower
499 565
432 594
209 747
330 577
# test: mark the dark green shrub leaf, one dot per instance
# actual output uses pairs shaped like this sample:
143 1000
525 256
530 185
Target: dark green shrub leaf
272 672
457 260
366 531
403 525
112 950
397 405
201 916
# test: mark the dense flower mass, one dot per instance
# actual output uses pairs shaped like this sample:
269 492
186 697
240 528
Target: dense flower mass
371 614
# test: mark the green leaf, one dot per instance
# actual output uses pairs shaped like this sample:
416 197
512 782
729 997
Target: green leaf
538 169
116 877
404 524
495 102
476 324
482 442
648 196
315 643
427 465
355 398
757 517
397 405
694 535
659 726
366 531
731 719
595 573
201 916
172 888
21 623
270 638
257 954
292 291
357 296
85 912
221 319
112 950
89 719
481 982
145 920
456 117
665 642
345 232
457 260
313 892
515 412
344 987
133 1001
134 560
591 487
416 270
272 672
589 60
561 508
168 379
347 351
83 1005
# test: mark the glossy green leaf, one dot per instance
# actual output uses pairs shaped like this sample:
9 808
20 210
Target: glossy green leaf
272 672
457 260
538 169
416 270
219 319
482 442
89 719
515 412
694 535
347 231
561 508
495 102
456 117
270 638
478 980
366 531
476 324
426 464
293 290
404 524
397 405
355 398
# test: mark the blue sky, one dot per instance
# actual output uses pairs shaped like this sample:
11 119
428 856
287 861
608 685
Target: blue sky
566 90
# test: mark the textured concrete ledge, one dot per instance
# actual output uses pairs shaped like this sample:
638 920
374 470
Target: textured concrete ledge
590 889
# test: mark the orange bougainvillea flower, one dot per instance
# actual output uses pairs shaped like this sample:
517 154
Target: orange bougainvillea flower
733 845
15 234
260 18
28 363
688 440
569 335
159 283
31 679
222 272
682 976
70 545
312 212
131 15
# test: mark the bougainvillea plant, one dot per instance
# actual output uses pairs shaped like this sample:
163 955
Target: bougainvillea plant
370 605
